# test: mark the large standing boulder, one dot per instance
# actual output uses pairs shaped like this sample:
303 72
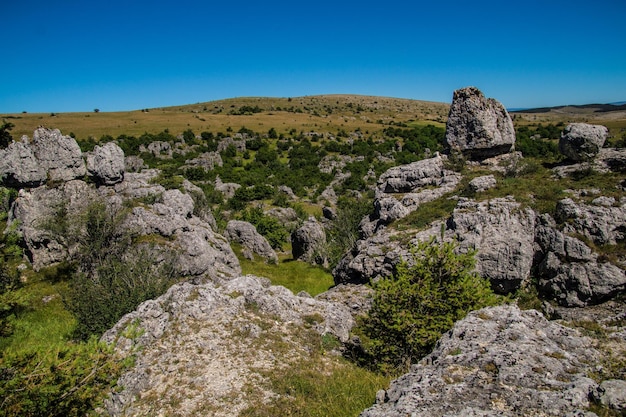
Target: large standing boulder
106 164
477 126
59 155
498 361
252 241
582 141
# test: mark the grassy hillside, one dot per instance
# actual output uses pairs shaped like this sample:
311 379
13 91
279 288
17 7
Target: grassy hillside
315 113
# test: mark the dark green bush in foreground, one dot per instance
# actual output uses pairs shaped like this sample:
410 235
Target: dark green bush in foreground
413 308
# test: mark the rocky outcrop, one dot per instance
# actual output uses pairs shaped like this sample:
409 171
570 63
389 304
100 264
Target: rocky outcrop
477 126
226 188
418 183
498 361
50 157
570 272
43 215
484 183
246 235
184 345
582 141
207 161
603 221
19 167
201 250
499 230
308 240
502 233
106 164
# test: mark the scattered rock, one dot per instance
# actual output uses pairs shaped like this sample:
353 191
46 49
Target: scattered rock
582 141
612 394
601 222
133 163
477 126
246 235
308 241
208 161
484 183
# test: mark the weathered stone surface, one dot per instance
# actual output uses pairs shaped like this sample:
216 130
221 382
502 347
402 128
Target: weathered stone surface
208 161
477 126
139 185
308 240
60 156
484 183
106 164
200 250
498 361
502 233
40 214
159 149
247 236
570 272
185 345
582 141
601 222
133 163
416 175
612 393
19 167
227 189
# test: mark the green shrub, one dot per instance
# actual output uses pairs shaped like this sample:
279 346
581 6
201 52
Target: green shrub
68 381
413 308
112 274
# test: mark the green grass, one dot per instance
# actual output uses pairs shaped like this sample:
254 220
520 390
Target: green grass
44 325
295 275
341 389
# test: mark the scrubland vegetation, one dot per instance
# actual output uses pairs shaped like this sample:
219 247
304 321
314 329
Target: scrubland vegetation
51 362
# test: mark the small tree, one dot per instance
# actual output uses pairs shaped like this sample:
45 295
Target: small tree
427 295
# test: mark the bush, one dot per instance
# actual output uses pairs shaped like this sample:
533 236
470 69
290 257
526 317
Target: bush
426 296
113 274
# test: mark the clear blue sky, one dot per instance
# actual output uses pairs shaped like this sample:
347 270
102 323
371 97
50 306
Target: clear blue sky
124 55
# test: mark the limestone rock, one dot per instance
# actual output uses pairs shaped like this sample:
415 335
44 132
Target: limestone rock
308 240
19 167
106 164
133 163
612 393
139 185
502 233
582 141
601 221
246 235
570 272
185 345
477 126
41 214
208 161
60 156
498 361
480 184
227 189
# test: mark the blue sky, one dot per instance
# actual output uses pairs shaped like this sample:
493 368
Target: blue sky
125 55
